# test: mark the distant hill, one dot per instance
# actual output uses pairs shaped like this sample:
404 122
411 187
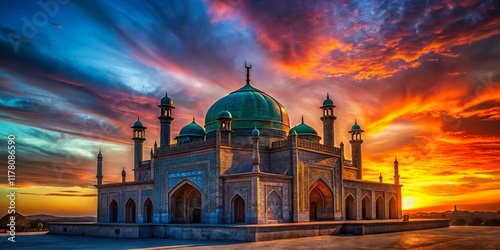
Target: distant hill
52 218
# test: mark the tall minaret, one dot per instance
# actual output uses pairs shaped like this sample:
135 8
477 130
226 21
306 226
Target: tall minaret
356 142
166 105
328 119
139 137
396 171
99 168
256 152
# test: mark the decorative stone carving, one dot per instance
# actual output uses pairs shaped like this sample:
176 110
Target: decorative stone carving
274 206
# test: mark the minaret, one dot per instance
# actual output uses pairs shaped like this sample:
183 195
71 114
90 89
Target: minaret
99 168
380 178
166 105
396 171
124 175
256 152
356 142
139 137
328 119
225 123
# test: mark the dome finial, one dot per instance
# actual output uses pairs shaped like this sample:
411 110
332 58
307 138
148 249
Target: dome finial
327 95
302 119
248 71
166 93
355 122
193 118
255 132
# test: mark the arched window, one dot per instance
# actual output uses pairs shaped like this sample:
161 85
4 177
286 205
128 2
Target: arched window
148 211
366 206
350 208
380 208
393 208
238 205
113 212
130 211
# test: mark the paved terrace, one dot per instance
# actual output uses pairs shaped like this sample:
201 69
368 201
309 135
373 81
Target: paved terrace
455 237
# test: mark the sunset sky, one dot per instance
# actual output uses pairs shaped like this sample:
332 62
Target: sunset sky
422 78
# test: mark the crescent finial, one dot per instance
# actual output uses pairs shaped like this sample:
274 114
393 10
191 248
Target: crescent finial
248 67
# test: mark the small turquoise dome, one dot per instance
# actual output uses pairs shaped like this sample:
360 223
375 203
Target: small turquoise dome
224 114
355 126
166 101
328 102
138 124
303 129
99 155
192 129
255 132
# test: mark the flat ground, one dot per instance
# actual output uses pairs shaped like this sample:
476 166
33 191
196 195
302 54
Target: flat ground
463 237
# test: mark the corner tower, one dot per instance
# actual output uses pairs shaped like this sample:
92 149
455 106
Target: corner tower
356 142
139 137
396 171
328 119
166 106
99 168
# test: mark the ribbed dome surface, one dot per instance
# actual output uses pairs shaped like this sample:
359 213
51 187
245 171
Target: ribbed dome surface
250 108
192 129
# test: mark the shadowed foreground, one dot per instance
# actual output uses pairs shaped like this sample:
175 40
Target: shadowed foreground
443 238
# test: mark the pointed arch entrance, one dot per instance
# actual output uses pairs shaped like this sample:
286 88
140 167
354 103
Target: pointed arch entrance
185 204
148 211
350 208
320 201
393 208
380 208
113 212
366 208
238 205
130 210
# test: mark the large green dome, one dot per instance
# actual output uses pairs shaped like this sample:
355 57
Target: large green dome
250 108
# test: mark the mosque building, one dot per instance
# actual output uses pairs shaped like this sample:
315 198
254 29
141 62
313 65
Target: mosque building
246 165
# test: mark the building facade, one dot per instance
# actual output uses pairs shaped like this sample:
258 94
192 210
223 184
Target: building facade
246 165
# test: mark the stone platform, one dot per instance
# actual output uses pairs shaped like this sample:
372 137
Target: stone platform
242 233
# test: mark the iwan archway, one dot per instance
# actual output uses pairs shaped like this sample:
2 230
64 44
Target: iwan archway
185 204
320 201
